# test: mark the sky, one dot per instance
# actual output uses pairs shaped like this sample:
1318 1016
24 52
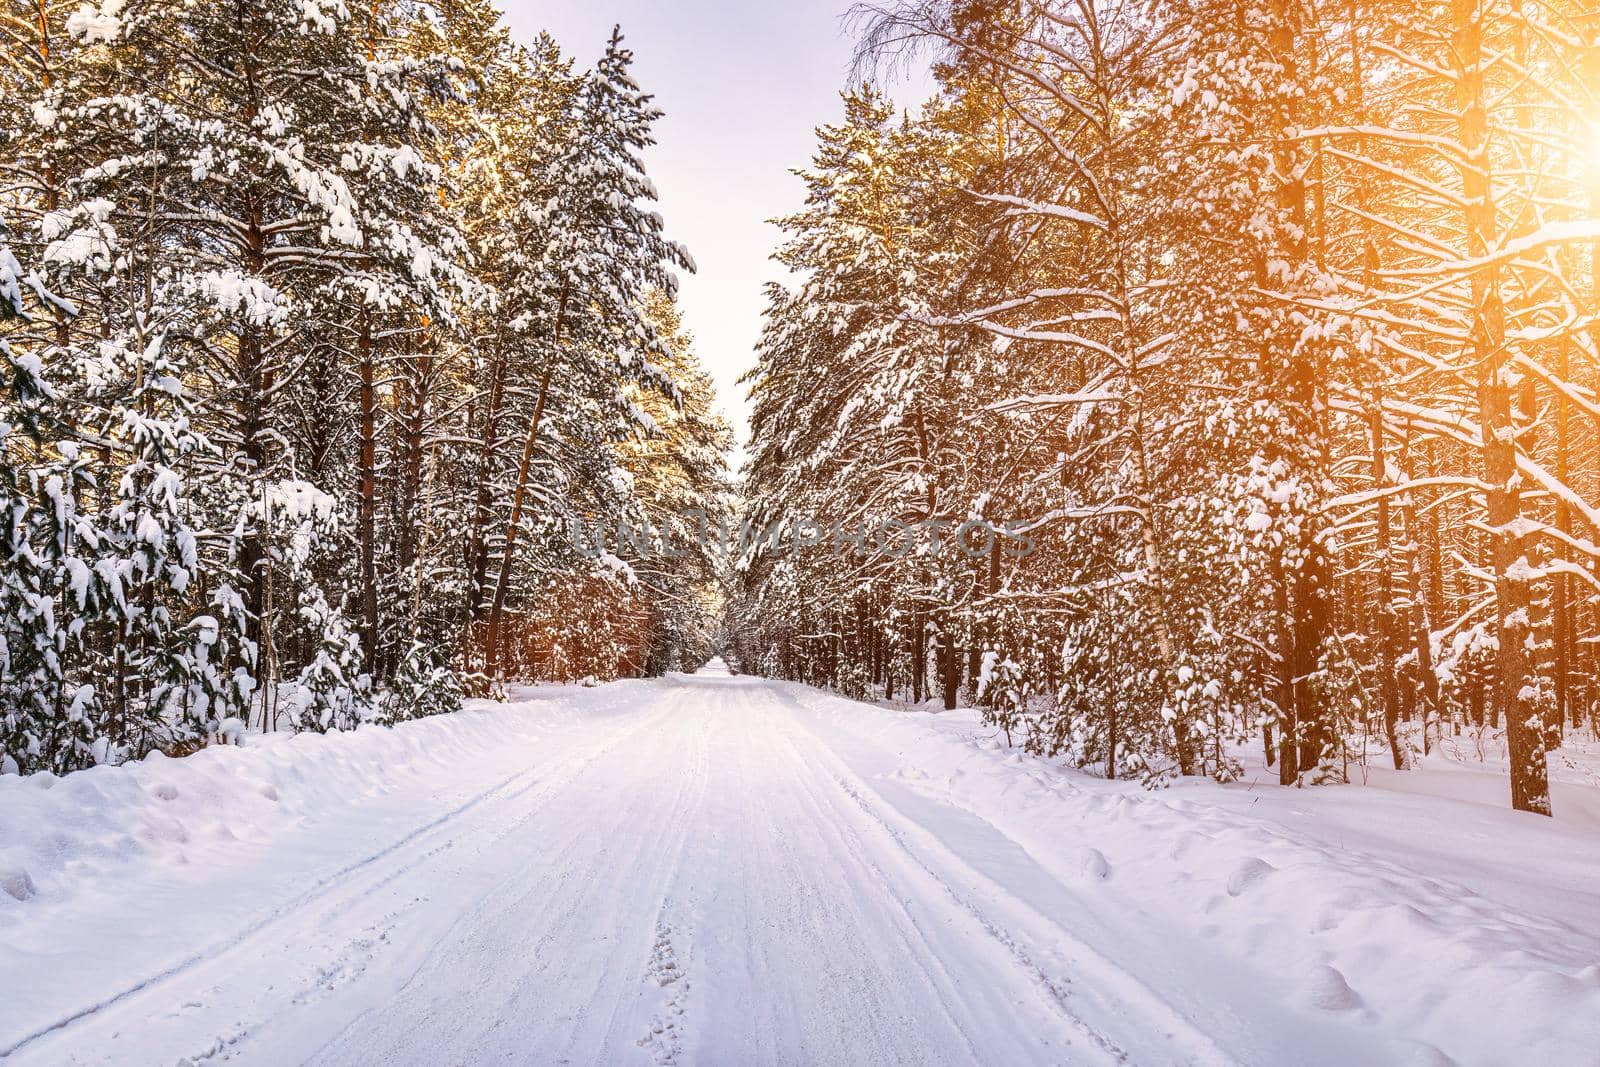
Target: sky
743 83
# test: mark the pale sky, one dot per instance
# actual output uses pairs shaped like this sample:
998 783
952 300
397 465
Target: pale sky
743 83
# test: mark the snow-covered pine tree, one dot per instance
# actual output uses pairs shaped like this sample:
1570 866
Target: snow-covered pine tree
49 715
601 250
510 146
297 212
1079 89
423 685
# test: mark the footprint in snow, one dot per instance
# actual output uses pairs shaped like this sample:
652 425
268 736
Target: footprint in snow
1248 874
18 884
664 1041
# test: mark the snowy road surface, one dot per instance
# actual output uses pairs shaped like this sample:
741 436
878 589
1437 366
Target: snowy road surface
714 870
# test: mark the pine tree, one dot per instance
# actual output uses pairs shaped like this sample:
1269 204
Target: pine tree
602 252
48 720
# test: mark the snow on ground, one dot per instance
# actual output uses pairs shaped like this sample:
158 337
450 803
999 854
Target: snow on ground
1466 930
719 870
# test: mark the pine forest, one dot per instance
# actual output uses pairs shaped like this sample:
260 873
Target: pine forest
1258 341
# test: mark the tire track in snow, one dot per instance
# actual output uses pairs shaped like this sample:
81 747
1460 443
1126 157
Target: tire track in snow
517 969
847 821
922 952
665 1036
809 955
1187 1043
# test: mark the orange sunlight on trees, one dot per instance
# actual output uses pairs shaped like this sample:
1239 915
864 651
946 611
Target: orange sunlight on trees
1274 321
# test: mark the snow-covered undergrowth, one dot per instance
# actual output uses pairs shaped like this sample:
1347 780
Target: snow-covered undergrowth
1465 932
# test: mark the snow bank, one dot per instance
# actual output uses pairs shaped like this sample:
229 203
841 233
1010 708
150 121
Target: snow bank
1463 933
60 833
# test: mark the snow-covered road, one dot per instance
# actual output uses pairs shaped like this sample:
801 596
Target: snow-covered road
700 870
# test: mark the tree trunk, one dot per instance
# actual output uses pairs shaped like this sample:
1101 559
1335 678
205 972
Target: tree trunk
1289 725
1388 629
919 653
483 497
250 406
367 497
413 428
1517 690
1421 629
518 497
1561 582
1591 70
1295 376
952 664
